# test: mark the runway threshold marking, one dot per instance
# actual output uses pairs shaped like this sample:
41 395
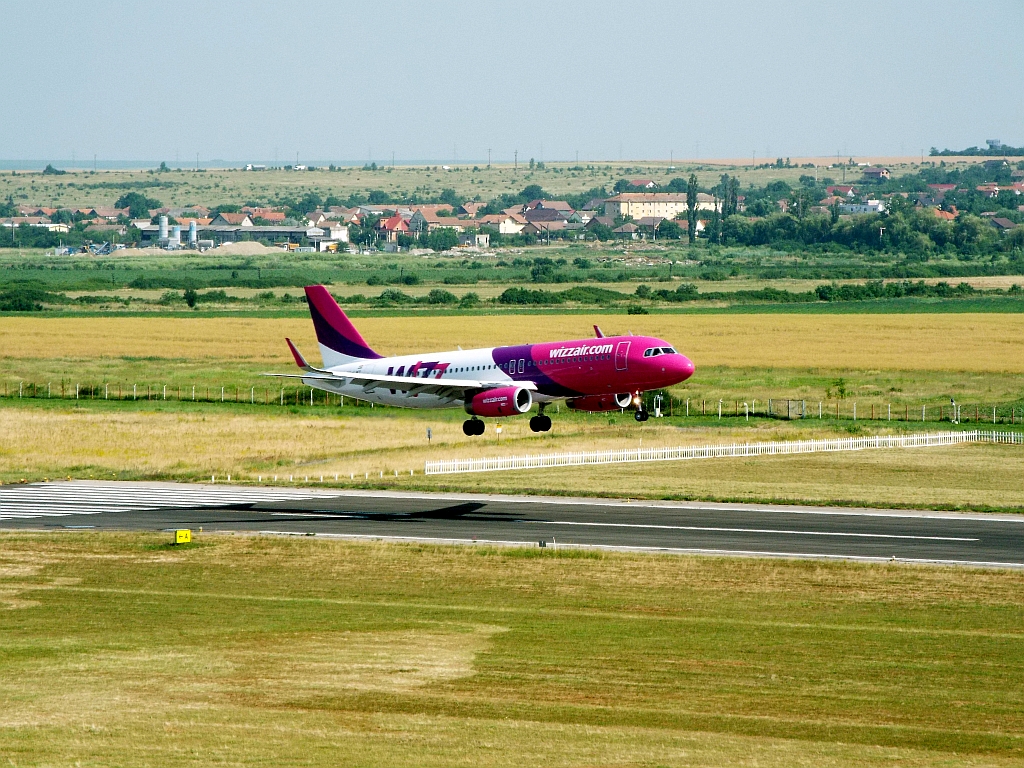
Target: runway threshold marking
756 530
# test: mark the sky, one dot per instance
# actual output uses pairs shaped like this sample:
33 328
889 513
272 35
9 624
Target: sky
448 82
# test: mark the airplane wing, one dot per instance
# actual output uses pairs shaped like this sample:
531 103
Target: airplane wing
451 389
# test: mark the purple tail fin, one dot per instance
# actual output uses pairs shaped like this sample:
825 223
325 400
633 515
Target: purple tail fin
340 342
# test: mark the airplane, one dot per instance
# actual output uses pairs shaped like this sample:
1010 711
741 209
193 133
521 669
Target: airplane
594 375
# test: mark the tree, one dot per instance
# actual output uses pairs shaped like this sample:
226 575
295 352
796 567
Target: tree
622 185
191 297
442 239
670 230
49 170
448 196
691 207
138 205
602 232
532 192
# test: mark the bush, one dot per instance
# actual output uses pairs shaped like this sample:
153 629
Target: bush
636 309
441 296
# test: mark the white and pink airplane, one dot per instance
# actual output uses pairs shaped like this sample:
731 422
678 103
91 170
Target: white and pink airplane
598 374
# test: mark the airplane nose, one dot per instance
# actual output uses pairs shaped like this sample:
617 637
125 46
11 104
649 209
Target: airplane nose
685 367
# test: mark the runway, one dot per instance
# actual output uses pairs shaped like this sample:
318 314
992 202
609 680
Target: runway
695 527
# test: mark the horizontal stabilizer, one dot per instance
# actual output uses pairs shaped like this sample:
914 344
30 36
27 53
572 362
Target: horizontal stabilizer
299 359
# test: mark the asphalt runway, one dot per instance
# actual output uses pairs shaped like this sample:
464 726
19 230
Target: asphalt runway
737 529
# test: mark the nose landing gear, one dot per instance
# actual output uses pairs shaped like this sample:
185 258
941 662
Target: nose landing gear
472 427
641 415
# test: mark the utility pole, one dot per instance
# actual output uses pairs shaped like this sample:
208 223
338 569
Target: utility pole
488 157
515 163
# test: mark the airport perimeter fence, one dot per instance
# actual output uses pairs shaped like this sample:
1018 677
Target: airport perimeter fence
772 408
778 448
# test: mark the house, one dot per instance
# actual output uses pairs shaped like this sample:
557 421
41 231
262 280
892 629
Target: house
474 240
876 173
106 230
949 215
35 210
828 202
942 188
232 220
544 227
550 205
423 221
841 190
545 214
457 224
643 184
392 227
871 206
604 221
507 224
664 204
274 217
784 205
650 222
594 204
471 208
627 231
316 218
1003 224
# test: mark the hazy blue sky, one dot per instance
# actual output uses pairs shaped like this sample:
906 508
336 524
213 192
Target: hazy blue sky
431 82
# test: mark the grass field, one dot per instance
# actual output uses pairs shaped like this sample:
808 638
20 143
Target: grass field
362 446
117 649
980 343
224 186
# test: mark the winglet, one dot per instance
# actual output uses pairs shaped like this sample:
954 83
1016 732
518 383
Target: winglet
598 332
299 359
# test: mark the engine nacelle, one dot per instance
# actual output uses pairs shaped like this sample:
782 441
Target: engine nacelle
503 401
598 403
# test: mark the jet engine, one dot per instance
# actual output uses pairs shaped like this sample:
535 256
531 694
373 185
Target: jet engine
503 401
598 403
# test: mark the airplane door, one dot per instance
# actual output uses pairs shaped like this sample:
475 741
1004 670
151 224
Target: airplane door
522 365
621 355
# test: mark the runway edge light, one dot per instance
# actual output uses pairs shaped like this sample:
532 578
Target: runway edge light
183 536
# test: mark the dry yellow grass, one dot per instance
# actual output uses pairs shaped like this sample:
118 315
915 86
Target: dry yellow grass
938 342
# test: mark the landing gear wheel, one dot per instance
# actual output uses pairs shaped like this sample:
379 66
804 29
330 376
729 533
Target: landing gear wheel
641 415
472 427
540 423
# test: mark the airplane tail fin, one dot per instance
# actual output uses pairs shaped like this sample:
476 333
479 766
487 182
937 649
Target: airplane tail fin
339 340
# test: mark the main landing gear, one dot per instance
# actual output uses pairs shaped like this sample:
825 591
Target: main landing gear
472 427
540 423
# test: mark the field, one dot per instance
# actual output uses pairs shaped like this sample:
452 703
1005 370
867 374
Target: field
225 186
245 650
987 343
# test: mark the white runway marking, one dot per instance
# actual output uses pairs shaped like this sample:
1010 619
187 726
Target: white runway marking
756 530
